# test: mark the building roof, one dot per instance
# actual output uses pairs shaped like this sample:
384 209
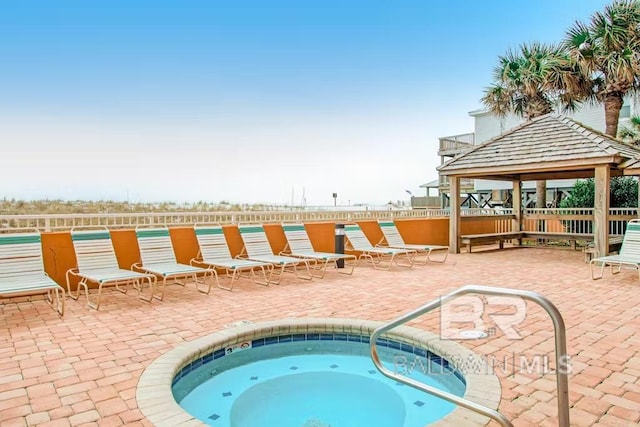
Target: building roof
431 184
631 166
549 143
479 111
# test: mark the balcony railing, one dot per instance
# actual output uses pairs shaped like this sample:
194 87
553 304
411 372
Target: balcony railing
443 182
425 202
457 142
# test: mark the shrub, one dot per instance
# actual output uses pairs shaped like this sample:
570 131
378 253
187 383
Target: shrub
623 193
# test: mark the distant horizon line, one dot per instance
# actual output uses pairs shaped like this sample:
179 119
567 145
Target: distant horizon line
185 203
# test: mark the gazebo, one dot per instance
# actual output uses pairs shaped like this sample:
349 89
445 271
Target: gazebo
547 147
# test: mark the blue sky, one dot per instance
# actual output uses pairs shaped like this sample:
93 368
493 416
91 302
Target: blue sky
247 101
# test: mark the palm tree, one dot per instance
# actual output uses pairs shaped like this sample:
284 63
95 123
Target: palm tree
631 133
607 51
528 83
520 82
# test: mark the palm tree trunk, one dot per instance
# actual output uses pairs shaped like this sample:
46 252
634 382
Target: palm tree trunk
612 107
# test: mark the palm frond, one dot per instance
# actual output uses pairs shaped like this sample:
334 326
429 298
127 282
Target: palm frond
497 99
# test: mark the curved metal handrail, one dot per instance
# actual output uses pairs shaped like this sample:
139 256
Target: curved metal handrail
560 352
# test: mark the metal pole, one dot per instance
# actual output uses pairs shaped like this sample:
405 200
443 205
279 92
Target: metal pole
339 243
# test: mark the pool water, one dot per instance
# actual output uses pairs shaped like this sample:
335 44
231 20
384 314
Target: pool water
314 384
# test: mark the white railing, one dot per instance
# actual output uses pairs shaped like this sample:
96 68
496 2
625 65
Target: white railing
131 220
466 140
444 182
485 211
472 212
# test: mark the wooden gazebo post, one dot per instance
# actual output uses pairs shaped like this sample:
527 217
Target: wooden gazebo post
454 215
601 210
516 197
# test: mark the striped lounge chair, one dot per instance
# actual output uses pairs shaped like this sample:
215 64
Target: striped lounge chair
380 258
22 270
394 240
628 256
97 264
257 248
158 258
214 253
299 245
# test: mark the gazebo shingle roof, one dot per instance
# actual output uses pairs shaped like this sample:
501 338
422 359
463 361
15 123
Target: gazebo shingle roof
546 142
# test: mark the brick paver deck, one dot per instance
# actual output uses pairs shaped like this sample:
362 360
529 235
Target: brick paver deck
83 369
